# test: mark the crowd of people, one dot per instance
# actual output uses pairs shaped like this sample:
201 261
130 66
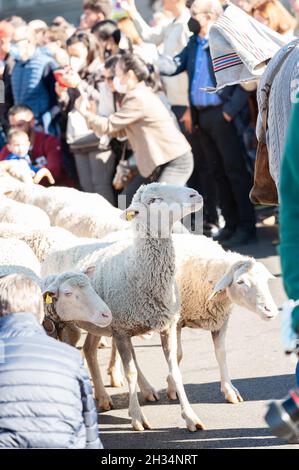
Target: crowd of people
109 105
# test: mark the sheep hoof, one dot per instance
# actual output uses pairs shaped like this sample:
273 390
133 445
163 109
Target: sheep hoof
172 395
233 396
194 423
105 404
116 382
151 395
140 425
137 426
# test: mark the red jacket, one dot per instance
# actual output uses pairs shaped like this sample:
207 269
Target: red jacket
49 147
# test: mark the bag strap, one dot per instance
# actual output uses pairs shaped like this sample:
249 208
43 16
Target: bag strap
123 152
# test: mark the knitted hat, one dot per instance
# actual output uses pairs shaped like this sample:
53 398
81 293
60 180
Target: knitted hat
240 47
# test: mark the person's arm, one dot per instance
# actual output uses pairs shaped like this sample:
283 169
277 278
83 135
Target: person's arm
146 32
236 102
114 125
89 411
289 214
173 65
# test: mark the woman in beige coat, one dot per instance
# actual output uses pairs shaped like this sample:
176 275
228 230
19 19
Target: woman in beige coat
161 151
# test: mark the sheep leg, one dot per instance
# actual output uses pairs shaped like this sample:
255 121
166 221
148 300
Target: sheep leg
90 349
149 393
230 392
114 369
169 344
125 348
116 377
171 390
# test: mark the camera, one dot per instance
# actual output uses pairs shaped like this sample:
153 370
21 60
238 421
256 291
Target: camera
283 417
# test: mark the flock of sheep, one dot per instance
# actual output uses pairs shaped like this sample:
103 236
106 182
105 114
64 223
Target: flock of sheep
125 273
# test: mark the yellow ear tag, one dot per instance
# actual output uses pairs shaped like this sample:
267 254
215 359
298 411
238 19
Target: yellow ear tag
49 299
130 215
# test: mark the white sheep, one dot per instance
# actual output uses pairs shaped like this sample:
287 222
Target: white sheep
68 296
16 256
210 281
43 241
24 214
135 278
83 214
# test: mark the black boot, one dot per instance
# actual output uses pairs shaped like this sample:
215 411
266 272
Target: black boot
224 234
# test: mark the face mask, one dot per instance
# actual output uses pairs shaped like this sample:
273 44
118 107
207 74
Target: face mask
14 52
119 86
107 53
194 26
77 63
45 50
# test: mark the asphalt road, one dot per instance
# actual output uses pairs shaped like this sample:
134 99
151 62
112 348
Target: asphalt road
257 365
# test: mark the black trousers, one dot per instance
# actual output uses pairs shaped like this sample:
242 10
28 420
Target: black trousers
224 153
201 179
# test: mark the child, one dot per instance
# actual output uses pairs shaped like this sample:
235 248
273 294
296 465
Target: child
18 145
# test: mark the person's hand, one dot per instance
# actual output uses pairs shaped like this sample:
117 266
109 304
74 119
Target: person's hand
82 105
187 120
92 106
227 117
60 91
129 6
70 79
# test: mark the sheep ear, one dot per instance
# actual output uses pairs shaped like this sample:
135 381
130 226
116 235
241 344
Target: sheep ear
50 292
129 214
49 296
240 266
89 270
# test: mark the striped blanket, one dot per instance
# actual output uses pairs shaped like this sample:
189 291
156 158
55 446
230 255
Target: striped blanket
241 47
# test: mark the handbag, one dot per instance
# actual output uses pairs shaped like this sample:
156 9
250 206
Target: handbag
126 170
78 135
264 188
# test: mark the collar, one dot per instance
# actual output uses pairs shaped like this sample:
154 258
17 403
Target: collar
203 42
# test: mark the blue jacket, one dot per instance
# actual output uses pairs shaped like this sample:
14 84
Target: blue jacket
33 84
234 97
45 394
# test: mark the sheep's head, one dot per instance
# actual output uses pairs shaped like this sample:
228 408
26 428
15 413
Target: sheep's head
156 207
75 299
246 284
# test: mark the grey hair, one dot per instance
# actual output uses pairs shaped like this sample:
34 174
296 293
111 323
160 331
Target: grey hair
207 6
20 293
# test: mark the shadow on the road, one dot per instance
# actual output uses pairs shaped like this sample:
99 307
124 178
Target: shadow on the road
180 438
251 389
263 248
